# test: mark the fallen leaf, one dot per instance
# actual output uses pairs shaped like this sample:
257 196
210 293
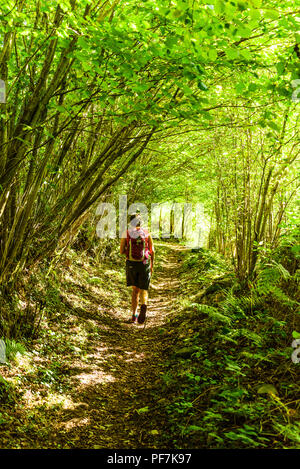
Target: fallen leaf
267 389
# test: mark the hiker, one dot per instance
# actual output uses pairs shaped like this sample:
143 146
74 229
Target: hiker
138 247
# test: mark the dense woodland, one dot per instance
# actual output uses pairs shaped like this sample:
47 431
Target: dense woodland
177 101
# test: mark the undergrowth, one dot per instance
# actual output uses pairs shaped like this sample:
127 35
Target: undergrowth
229 375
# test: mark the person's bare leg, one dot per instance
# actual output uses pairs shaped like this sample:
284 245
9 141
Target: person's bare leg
135 300
144 297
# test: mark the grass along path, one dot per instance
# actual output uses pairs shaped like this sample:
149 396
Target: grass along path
90 382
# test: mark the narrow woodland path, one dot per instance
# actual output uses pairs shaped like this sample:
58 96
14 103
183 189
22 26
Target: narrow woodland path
109 400
123 365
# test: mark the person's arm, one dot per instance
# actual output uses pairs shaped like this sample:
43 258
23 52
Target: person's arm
152 253
123 245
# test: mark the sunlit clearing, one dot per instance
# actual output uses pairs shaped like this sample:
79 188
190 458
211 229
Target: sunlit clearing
75 422
23 361
96 377
134 357
55 400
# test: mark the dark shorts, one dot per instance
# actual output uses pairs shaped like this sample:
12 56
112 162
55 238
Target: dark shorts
138 274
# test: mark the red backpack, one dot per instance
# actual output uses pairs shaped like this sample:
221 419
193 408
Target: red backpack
137 244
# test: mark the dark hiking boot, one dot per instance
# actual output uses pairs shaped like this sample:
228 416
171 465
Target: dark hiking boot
142 315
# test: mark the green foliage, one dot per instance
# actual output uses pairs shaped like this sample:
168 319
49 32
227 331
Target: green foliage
247 435
290 432
7 392
268 279
13 349
213 313
224 391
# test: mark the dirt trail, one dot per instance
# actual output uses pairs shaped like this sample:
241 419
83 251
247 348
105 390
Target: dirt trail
109 400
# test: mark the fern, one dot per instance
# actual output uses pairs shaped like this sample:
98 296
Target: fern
268 280
231 304
281 296
258 357
241 304
213 313
12 348
290 431
251 336
271 275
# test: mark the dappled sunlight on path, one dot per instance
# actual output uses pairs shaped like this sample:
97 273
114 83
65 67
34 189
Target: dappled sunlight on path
105 394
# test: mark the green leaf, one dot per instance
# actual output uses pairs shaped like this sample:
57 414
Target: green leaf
202 86
212 54
246 54
154 432
60 108
267 389
295 250
255 14
280 68
256 3
240 87
194 428
142 410
272 14
232 54
252 87
273 125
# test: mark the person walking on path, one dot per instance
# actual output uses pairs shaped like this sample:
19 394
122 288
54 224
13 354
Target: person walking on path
137 245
